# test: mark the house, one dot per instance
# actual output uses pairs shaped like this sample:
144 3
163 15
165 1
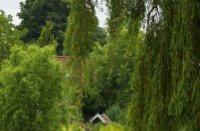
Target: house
102 117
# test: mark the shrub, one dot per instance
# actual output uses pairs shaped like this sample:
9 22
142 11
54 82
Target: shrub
112 127
30 89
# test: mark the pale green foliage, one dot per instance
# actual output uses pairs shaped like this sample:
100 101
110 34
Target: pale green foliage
82 21
112 127
109 127
30 90
75 127
138 83
71 102
46 36
9 35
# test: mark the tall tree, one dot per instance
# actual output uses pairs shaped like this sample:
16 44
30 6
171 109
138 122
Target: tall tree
79 43
184 104
107 80
9 35
35 13
165 80
46 36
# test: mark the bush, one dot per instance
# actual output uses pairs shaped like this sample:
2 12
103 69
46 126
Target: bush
30 89
75 127
115 113
112 127
9 35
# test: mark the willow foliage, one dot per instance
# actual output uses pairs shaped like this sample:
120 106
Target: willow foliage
166 81
78 44
162 61
82 20
184 103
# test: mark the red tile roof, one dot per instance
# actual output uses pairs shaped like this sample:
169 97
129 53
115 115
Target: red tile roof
61 59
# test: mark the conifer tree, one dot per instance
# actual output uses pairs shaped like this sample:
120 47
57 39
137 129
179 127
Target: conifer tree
46 36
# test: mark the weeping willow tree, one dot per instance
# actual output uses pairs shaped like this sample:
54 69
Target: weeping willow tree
165 80
124 24
78 44
184 103
165 70
174 75
159 79
82 21
116 19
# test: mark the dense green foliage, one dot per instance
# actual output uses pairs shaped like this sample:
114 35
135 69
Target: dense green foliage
153 75
30 88
46 36
164 79
78 44
144 76
35 13
167 76
82 22
9 35
99 36
109 68
184 102
113 127
107 81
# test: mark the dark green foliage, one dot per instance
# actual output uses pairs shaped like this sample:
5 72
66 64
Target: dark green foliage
115 113
108 70
30 90
155 72
165 76
107 75
95 79
99 35
35 13
185 72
